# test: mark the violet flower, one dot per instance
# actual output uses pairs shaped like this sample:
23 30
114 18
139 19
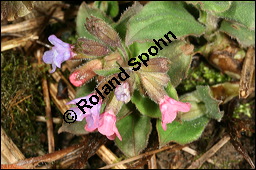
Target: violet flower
92 115
169 108
122 92
59 53
107 125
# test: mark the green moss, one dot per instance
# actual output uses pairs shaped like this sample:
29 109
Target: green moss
22 101
201 75
243 109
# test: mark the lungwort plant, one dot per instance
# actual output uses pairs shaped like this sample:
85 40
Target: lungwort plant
121 88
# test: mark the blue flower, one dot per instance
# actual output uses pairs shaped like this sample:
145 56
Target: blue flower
59 53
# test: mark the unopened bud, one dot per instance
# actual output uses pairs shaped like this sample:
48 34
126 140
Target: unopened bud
91 48
154 84
102 31
83 74
156 65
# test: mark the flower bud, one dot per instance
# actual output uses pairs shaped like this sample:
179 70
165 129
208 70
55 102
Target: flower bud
159 64
84 73
102 31
154 84
90 48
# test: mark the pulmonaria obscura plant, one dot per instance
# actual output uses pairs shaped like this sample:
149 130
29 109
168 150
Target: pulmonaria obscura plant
137 62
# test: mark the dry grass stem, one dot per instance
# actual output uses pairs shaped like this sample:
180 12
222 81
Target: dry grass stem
30 24
9 151
33 162
247 80
152 163
49 121
17 42
54 119
194 153
109 157
199 162
139 156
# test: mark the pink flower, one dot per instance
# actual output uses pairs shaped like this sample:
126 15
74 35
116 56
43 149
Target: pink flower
169 108
122 92
92 114
59 53
107 125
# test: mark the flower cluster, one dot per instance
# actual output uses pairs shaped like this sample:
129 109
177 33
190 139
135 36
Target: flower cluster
151 77
105 122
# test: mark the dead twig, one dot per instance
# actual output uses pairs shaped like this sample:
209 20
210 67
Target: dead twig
152 162
21 35
246 86
9 151
194 153
54 119
138 157
33 162
108 157
30 24
17 42
49 121
199 162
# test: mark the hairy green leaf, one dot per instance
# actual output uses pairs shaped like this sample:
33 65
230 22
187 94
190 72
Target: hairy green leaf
203 95
158 18
76 128
243 35
109 7
212 6
145 105
197 110
242 12
149 108
212 105
171 91
180 54
135 130
138 48
182 133
121 25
